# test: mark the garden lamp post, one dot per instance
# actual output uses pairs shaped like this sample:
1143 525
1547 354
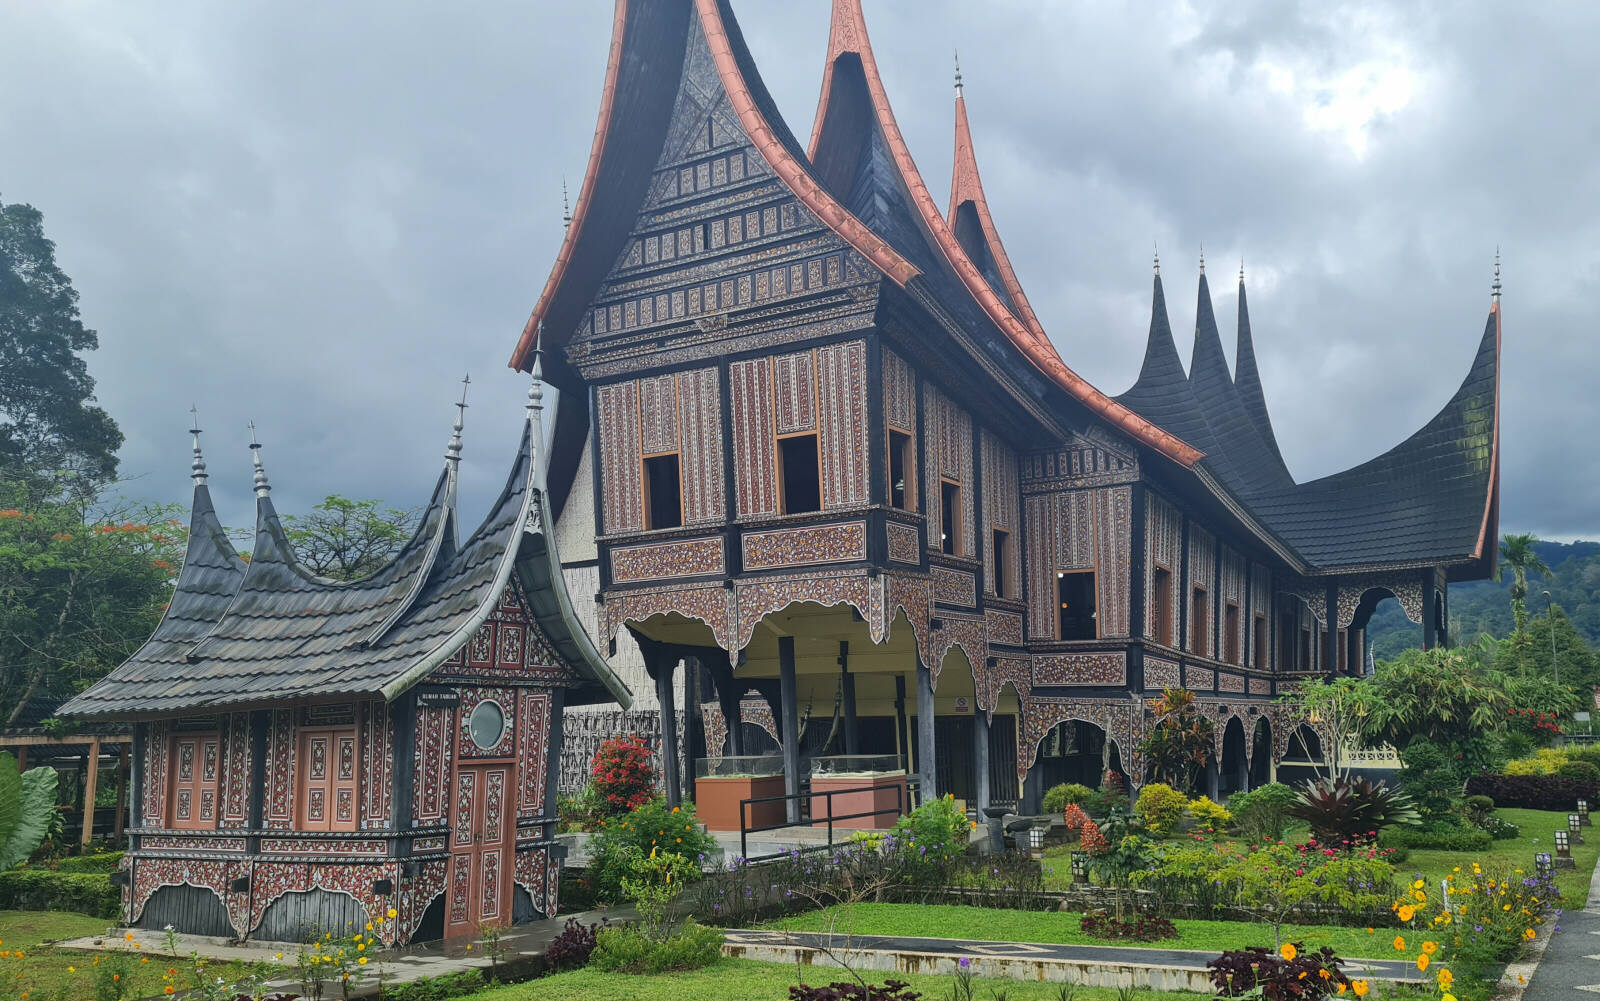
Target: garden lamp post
1542 865
1080 867
1575 828
1563 846
1583 813
1036 838
1549 614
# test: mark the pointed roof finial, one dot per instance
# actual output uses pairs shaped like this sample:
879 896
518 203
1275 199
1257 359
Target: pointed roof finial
958 73
1241 271
263 488
536 390
1158 260
1495 288
198 466
1202 258
453 452
566 206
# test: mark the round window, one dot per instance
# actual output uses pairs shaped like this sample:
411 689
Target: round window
487 725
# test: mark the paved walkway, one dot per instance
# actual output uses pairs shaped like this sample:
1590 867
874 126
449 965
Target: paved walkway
1570 965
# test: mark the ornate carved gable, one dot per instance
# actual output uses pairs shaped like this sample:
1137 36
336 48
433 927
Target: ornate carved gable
509 644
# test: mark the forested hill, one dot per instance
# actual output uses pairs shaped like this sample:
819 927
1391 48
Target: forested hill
1485 606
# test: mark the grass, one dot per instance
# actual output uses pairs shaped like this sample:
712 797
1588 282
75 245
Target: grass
1061 928
28 964
744 980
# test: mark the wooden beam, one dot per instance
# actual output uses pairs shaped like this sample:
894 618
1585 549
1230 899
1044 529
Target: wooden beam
91 782
122 794
40 740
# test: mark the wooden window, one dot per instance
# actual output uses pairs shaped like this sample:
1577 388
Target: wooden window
1230 636
1075 594
799 476
950 517
1000 546
1258 644
1200 623
902 485
329 778
663 492
196 763
1161 599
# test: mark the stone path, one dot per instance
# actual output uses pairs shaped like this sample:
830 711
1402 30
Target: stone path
1094 965
1570 965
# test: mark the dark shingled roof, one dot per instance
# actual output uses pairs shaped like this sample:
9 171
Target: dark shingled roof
274 631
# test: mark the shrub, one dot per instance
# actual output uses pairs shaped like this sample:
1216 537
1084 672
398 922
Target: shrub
650 826
1058 798
629 950
1349 811
1262 814
1585 752
1543 762
42 890
1161 807
892 990
936 831
570 949
1579 771
1533 792
1432 778
98 862
1435 837
1145 926
1492 913
1477 810
1209 814
1290 974
441 988
623 775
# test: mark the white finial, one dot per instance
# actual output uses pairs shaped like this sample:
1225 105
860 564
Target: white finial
263 488
566 206
1495 288
198 466
536 390
1158 260
1202 258
958 74
453 452
1241 271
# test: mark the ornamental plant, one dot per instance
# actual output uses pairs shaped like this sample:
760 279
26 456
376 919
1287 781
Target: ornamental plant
1178 742
1350 810
1073 818
934 833
1162 808
623 776
652 825
1289 973
27 806
1209 815
1489 915
1273 881
1093 841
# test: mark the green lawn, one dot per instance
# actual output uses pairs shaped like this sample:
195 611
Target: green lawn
48 972
1061 928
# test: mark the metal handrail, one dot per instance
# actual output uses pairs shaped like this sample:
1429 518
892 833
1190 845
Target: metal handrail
745 830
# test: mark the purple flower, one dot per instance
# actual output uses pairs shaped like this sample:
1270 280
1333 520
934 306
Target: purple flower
967 963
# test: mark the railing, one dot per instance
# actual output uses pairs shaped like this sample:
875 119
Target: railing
801 798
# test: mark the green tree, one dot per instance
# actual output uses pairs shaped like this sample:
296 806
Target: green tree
1337 707
1179 742
1446 696
346 539
1579 666
1519 558
52 436
80 589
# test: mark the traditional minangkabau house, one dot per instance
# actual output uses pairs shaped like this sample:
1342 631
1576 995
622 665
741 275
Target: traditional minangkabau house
828 453
309 753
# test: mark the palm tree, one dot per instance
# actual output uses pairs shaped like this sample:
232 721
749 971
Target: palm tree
1517 556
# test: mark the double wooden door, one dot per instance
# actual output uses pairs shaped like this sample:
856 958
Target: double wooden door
481 847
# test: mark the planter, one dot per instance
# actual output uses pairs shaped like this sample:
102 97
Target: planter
717 801
882 797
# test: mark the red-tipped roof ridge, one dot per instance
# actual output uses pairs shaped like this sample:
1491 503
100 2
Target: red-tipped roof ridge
848 35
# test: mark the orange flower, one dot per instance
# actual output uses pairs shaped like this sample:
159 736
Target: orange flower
1446 978
1288 951
169 989
1407 912
1399 944
1360 987
1430 947
1422 963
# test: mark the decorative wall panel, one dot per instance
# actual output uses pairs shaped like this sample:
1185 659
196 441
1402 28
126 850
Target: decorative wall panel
711 605
533 750
471 698
1260 686
156 748
1080 669
1039 532
1113 553
271 880
794 392
899 394
757 599
432 761
1075 530
949 457
966 633
280 770
954 587
700 464
1004 627
618 420
755 479
842 402
151 874
416 893
663 560
236 771
1014 671
1230 683
532 871
1163 543
1202 573
658 414
1159 673
903 543
790 547
1001 510
1200 679
377 769
1121 719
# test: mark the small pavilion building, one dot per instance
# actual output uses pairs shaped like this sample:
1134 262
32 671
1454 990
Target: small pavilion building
309 754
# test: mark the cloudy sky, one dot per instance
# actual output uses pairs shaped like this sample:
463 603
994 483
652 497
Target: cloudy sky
318 216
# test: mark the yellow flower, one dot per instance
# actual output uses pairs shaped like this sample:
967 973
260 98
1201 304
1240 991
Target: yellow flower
72 969
1446 978
369 926
1399 944
1419 884
1360 987
128 937
1419 895
1341 988
1529 934
1288 951
277 955
1407 912
1430 947
362 961
393 913
1422 963
1448 997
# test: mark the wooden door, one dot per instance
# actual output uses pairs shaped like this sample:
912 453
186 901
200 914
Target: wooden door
481 847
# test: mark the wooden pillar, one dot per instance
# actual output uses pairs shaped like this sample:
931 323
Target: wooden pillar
926 758
1214 780
694 734
728 698
980 759
1330 641
22 758
666 699
122 794
1429 637
852 732
136 779
91 783
902 730
789 708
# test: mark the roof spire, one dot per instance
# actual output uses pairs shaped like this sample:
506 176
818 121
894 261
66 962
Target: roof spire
1202 258
1158 259
453 451
198 466
1241 271
536 390
566 206
1494 289
263 488
958 73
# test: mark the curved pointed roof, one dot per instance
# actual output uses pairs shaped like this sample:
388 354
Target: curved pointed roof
284 633
1247 379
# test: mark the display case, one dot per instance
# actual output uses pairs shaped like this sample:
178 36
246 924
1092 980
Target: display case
861 791
722 784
